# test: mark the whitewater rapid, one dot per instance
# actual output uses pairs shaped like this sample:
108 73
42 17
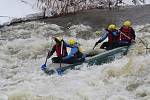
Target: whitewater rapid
23 49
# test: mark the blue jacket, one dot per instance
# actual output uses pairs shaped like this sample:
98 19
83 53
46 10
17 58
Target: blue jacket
106 33
74 51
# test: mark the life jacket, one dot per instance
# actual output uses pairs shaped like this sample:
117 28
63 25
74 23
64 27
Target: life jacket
58 51
112 38
127 34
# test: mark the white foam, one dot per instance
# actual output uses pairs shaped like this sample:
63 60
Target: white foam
21 77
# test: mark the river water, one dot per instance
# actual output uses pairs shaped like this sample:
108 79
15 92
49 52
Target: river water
97 18
23 49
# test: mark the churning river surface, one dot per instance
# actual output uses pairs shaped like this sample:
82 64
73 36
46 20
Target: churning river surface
23 48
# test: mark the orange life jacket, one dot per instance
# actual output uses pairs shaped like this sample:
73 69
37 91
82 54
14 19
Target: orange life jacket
127 34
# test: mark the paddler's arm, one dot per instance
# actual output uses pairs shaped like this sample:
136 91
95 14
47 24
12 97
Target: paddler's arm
50 53
71 54
102 38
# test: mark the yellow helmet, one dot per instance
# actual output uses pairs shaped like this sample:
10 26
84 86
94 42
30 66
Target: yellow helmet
111 27
127 23
72 41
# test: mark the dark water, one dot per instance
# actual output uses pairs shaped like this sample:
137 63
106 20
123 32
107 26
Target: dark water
98 18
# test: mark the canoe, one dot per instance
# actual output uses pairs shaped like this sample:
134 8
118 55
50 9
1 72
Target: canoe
98 59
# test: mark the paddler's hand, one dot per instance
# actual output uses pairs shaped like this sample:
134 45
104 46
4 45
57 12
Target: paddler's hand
133 41
63 58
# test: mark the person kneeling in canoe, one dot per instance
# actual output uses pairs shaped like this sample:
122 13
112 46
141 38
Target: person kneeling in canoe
127 34
113 37
57 48
75 54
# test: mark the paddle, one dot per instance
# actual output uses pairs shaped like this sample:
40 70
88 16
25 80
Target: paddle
95 45
43 67
59 70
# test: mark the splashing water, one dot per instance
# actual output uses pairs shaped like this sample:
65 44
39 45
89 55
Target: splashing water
23 50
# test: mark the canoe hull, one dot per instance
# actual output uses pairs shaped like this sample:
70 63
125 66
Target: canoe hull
98 59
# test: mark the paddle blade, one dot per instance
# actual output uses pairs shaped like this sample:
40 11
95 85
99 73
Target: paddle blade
59 71
43 67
